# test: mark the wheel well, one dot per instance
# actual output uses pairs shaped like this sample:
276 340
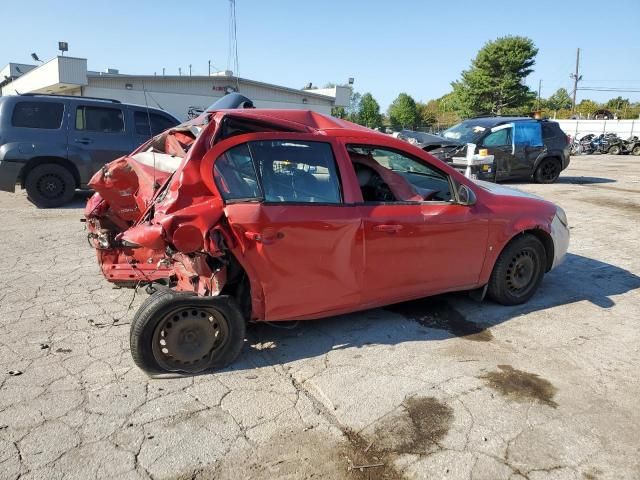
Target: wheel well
36 161
546 241
238 286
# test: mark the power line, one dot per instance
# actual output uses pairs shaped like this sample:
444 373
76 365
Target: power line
604 89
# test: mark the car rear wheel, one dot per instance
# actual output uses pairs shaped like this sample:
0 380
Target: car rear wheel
50 185
518 271
614 150
548 171
174 332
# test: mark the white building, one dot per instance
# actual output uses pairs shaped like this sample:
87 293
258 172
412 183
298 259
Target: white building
176 94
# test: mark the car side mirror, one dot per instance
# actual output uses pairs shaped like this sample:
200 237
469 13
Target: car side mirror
466 195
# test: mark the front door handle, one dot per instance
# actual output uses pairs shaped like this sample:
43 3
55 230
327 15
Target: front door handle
84 141
388 228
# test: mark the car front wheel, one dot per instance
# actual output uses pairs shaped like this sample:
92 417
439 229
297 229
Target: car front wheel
173 332
518 271
50 185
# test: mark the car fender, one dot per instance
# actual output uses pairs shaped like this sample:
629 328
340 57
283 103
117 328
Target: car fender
502 231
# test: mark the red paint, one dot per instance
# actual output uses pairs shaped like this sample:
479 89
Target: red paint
301 261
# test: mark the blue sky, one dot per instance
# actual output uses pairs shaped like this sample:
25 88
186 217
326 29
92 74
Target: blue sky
418 47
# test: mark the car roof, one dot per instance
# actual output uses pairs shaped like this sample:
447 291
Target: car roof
102 101
303 120
489 121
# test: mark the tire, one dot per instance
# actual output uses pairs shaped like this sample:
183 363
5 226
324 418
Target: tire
548 171
636 150
210 336
614 150
518 271
50 185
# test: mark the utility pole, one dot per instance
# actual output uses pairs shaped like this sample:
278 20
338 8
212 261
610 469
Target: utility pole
180 71
209 67
539 90
576 78
189 69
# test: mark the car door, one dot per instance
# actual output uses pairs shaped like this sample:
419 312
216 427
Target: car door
415 246
499 143
528 146
296 237
97 134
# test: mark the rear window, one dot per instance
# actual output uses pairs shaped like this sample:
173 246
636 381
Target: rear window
550 130
99 119
159 123
46 115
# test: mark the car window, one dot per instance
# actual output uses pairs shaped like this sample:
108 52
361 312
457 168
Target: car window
235 174
46 115
499 138
159 123
528 133
99 119
294 171
550 131
288 171
386 175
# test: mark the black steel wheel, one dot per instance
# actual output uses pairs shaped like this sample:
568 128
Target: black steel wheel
50 185
548 171
615 150
636 150
518 271
174 332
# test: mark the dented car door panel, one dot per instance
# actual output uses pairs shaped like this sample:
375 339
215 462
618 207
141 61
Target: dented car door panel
301 255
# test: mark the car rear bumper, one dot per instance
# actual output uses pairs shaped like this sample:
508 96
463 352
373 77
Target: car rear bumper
560 236
9 172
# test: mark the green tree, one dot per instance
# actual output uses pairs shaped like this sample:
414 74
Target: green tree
587 107
369 112
403 112
495 80
559 100
617 103
428 112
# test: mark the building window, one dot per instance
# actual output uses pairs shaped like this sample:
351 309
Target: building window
99 119
37 115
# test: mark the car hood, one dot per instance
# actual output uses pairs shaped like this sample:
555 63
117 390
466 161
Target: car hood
503 190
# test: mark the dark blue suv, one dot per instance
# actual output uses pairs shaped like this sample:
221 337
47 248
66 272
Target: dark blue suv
51 145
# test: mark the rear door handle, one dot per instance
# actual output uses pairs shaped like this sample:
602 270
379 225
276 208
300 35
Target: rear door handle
256 237
388 228
84 141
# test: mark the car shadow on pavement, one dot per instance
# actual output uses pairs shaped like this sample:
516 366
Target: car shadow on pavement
438 318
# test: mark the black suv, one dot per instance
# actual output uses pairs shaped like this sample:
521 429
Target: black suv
523 148
53 144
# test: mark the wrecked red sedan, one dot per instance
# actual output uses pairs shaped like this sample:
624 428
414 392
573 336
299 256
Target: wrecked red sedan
268 215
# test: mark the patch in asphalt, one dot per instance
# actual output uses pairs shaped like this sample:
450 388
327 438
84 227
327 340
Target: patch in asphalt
437 313
520 385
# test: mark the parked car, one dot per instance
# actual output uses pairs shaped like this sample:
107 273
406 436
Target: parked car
273 215
51 144
523 148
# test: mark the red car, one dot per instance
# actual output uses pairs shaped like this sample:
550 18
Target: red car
270 215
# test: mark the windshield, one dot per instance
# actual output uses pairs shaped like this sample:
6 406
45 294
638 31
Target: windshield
465 132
